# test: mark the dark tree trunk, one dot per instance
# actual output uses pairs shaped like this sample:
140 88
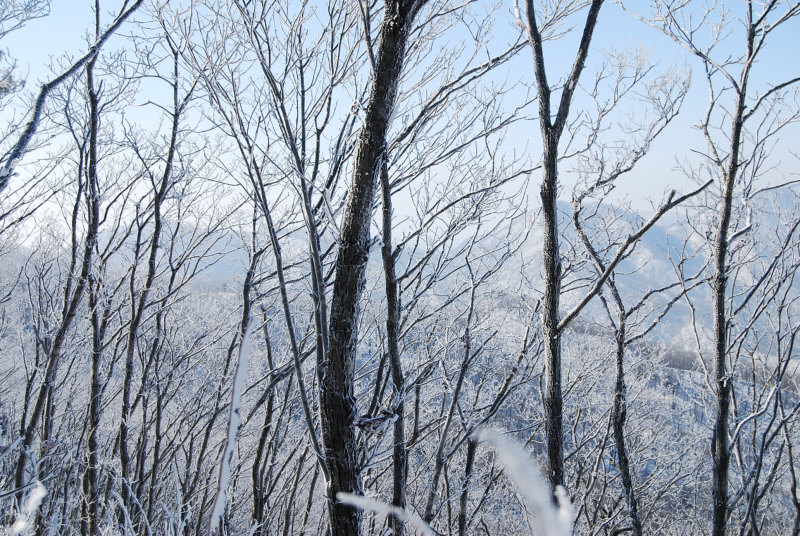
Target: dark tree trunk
72 298
91 478
551 130
619 410
472 445
620 415
553 401
399 455
89 523
722 383
337 402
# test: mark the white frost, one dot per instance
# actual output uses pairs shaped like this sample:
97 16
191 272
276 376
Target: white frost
234 423
534 489
22 524
372 505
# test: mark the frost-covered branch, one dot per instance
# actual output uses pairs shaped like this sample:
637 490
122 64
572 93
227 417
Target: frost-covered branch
11 159
234 423
623 249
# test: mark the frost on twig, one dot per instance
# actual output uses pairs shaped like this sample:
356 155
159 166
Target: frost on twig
371 505
23 523
7 171
549 519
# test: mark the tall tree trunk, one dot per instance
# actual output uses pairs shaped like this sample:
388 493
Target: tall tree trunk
399 454
472 445
90 481
619 410
551 130
72 298
337 402
722 384
719 440
91 478
619 416
553 401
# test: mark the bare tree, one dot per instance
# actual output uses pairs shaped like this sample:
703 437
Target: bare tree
79 274
123 309
552 127
665 101
337 402
739 121
298 106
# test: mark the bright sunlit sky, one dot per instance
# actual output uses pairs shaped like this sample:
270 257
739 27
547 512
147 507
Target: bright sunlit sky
66 28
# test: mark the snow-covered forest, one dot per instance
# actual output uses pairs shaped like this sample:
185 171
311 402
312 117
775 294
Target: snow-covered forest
344 267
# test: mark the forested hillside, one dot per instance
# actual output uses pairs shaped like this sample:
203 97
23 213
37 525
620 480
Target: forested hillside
345 267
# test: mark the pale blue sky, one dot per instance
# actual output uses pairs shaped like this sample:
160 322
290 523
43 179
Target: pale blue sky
65 30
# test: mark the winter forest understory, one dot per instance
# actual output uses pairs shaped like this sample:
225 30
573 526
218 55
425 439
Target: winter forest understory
282 267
